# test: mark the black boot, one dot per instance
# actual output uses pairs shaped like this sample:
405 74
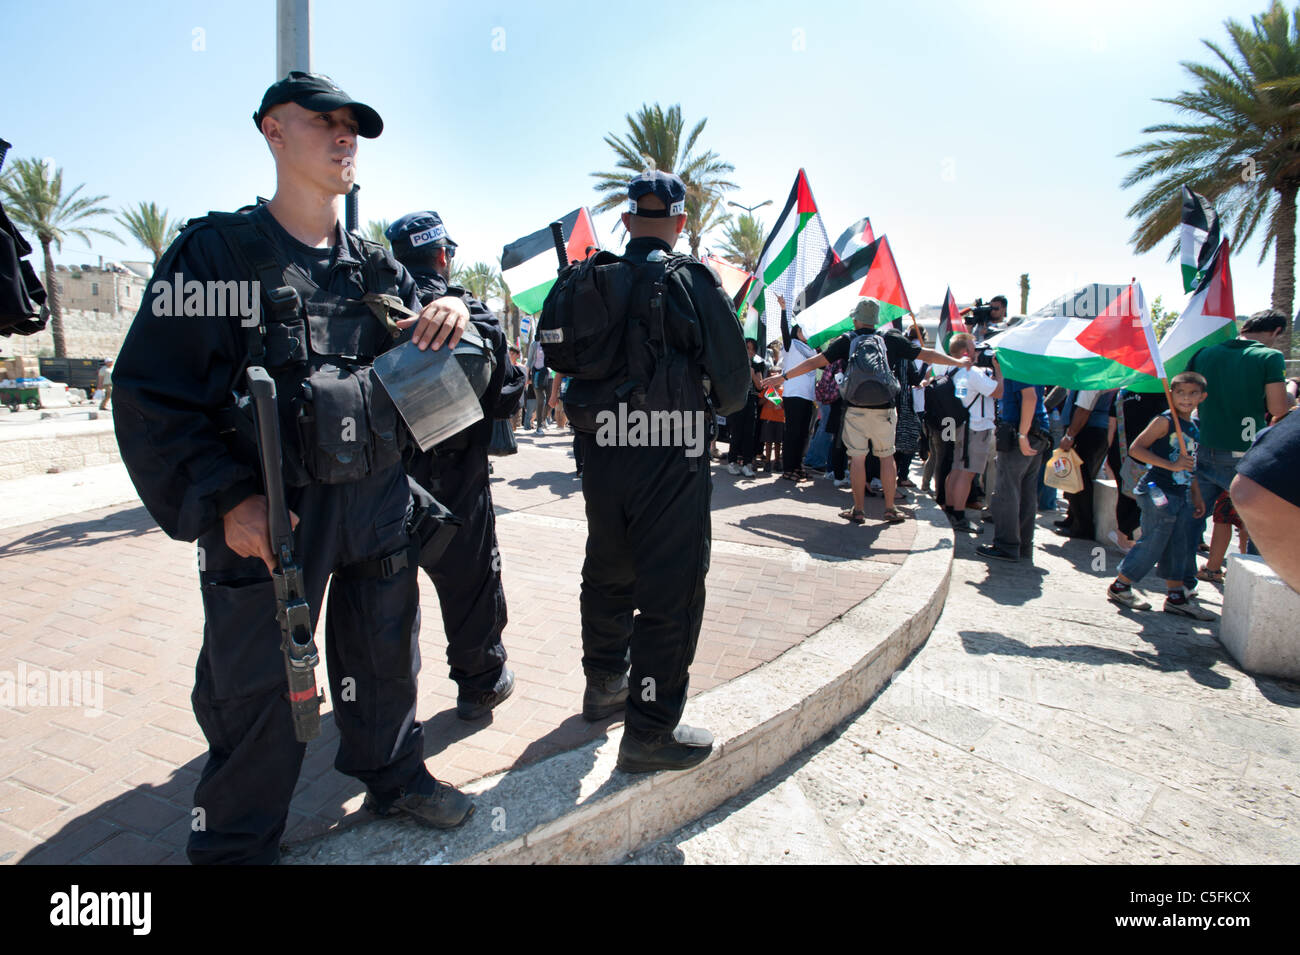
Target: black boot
685 747
606 694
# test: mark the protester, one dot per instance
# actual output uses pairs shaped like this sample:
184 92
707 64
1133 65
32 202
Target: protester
741 424
907 433
540 376
797 398
972 442
1087 433
517 419
1170 501
871 429
1267 496
772 431
1132 412
1021 437
1246 381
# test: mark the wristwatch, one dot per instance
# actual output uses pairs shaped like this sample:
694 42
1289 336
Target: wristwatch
784 376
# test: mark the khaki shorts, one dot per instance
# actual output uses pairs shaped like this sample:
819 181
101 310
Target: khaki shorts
975 456
869 425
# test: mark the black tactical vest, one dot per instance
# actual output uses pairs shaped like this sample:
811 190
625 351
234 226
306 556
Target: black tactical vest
337 424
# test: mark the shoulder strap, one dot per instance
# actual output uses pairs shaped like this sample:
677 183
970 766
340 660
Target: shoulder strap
257 254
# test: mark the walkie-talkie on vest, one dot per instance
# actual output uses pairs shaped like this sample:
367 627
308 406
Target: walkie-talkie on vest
292 611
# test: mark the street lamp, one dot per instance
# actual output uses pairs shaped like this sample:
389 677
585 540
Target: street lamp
749 210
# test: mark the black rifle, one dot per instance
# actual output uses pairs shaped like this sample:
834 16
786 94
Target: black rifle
300 656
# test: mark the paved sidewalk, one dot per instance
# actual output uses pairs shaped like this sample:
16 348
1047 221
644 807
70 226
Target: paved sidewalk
1038 724
104 591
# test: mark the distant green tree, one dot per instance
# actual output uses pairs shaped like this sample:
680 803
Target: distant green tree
1160 318
1239 146
480 279
151 227
35 200
375 232
655 141
744 237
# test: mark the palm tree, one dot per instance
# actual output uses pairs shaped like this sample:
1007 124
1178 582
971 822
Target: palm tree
375 232
1240 147
744 241
36 202
509 310
1024 293
702 215
655 141
480 280
151 227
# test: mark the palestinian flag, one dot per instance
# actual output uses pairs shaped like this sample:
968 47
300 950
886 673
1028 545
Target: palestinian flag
794 253
856 236
950 320
825 307
1199 238
733 277
1113 348
529 265
886 286
1208 319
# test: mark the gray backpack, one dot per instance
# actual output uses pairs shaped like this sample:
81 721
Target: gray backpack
868 379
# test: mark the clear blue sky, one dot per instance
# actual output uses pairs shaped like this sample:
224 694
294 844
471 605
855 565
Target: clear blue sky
982 137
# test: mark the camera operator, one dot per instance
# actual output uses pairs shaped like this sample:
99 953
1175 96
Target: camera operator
980 316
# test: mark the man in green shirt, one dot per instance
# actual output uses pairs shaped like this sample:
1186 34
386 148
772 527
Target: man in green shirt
1245 380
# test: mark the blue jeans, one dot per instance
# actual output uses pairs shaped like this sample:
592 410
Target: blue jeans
1166 539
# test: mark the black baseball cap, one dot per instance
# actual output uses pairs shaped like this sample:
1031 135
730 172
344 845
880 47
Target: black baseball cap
666 186
416 229
317 93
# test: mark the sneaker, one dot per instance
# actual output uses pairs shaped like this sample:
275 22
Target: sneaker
747 471
733 468
433 804
966 526
990 552
841 482
1126 598
537 433
1187 608
605 695
829 475
876 485
684 748
470 709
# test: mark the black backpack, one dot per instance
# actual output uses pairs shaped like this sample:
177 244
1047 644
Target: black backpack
612 321
21 293
868 379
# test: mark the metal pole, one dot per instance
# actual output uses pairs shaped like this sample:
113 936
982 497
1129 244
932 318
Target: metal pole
292 36
749 210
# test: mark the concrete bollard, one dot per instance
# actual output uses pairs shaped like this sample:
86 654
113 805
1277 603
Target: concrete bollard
1261 619
1105 495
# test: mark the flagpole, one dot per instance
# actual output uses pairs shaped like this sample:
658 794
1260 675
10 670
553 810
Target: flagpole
1173 413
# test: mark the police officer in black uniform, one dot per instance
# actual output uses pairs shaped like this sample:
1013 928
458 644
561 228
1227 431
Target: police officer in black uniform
468 573
187 446
648 533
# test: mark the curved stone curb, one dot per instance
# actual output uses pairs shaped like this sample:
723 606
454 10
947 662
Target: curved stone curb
574 807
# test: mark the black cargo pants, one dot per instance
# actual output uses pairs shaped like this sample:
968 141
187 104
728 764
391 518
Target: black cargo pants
468 574
371 646
648 541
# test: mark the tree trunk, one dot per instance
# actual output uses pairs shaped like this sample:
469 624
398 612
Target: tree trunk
695 245
1284 257
1024 293
54 301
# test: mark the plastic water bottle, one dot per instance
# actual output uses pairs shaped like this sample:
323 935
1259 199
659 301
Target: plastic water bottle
1157 495
959 386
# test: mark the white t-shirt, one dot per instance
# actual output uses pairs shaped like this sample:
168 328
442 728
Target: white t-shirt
982 409
918 393
802 385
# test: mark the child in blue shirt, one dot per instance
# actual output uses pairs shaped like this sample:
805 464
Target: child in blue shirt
1170 502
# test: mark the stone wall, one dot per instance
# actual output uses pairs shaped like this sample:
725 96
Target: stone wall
86 334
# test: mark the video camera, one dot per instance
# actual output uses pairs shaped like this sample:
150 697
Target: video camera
984 356
980 314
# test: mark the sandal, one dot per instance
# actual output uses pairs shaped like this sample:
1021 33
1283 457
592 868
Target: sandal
894 516
1211 576
789 476
853 515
